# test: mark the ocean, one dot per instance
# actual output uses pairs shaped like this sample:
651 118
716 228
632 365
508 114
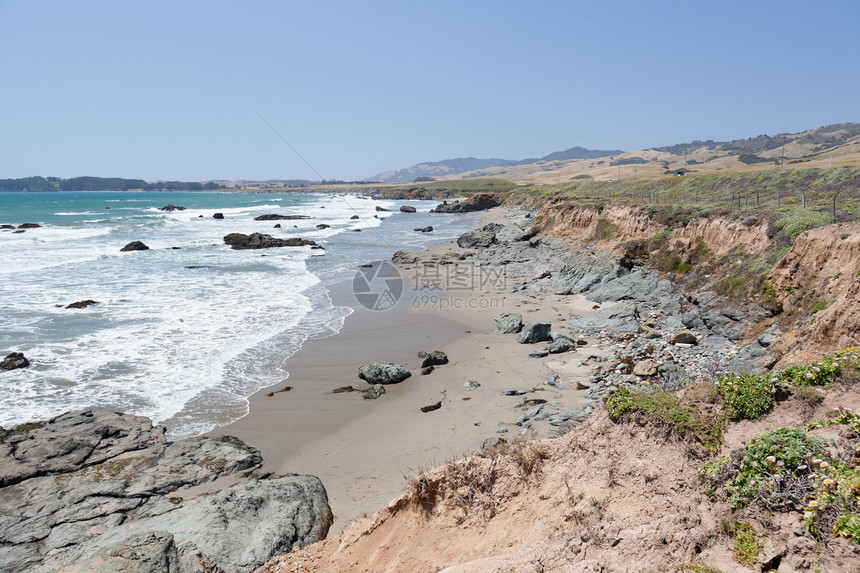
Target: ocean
184 346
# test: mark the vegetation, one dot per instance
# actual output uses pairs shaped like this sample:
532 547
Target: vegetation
746 395
749 543
101 184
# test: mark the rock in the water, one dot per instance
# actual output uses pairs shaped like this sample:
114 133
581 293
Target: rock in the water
238 241
479 202
382 209
374 392
353 217
508 323
432 407
647 367
561 343
535 332
684 337
277 226
14 361
134 246
407 209
7 226
171 208
356 230
383 373
476 240
29 226
82 304
435 358
218 216
276 217
427 229
323 226
491 443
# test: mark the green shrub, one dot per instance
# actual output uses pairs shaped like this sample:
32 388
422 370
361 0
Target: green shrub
819 306
746 395
819 373
749 543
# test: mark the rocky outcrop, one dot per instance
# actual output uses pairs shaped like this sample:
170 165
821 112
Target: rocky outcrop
239 241
276 217
29 226
479 239
86 480
479 202
407 209
135 246
383 373
82 303
382 209
13 361
427 229
171 208
585 269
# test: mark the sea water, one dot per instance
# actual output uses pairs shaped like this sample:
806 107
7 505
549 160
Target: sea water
185 332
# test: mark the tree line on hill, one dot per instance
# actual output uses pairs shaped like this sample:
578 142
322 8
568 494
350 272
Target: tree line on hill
102 184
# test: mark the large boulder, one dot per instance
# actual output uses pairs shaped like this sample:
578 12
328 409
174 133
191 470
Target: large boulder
508 323
510 233
647 367
476 239
435 358
561 343
479 202
382 209
82 303
535 332
621 318
276 217
383 373
134 246
407 209
239 241
14 361
427 229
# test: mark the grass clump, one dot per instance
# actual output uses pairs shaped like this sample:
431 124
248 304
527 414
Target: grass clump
688 421
604 230
699 568
800 220
746 395
749 543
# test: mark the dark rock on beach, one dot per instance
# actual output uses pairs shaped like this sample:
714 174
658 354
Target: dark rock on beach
476 240
479 202
508 323
171 208
535 332
276 217
561 343
435 358
407 209
432 407
239 241
76 489
383 373
82 303
374 392
134 246
14 361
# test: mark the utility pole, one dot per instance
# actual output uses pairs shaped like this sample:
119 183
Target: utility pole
783 153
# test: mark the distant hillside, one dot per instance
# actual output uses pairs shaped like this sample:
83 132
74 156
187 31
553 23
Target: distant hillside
101 184
447 167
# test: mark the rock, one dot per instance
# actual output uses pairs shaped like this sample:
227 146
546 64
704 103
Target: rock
552 379
534 332
407 209
513 392
82 304
470 385
560 343
383 209
491 443
508 323
510 233
7 226
584 269
403 258
684 337
278 226
427 229
435 358
239 241
374 392
427 370
476 240
218 216
29 226
276 217
13 361
637 285
479 202
758 356
149 552
383 373
323 226
171 208
134 246
618 319
353 217
647 367
432 407
538 354
356 230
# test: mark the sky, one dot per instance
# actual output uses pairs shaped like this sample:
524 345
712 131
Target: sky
188 90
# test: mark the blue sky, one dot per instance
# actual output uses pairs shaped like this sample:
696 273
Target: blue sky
168 90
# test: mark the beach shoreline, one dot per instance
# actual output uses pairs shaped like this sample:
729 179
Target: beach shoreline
363 450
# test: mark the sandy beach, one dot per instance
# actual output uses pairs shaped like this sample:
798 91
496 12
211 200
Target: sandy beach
363 450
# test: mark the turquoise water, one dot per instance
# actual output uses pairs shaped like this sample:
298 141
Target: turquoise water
184 346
